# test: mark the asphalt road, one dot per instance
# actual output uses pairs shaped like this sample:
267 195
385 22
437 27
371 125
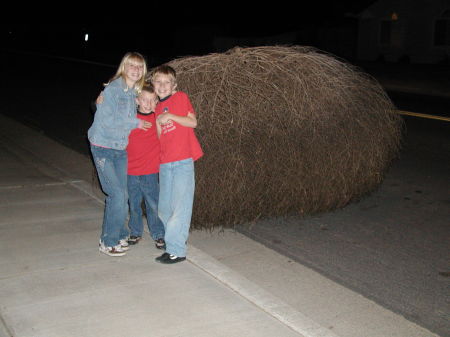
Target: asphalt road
438 106
392 246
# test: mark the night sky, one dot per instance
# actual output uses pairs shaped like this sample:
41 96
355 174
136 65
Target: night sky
179 30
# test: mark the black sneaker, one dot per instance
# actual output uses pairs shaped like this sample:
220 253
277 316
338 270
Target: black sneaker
160 244
162 257
172 259
132 240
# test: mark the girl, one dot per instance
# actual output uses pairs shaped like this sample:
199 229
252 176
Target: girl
108 137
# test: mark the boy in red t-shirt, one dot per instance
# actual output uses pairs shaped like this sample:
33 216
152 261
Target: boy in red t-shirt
175 122
143 166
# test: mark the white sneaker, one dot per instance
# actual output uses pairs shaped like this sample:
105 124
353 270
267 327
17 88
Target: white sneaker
124 244
111 251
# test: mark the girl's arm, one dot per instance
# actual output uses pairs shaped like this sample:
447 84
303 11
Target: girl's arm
105 109
144 125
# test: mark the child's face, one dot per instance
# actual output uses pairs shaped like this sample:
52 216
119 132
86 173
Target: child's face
146 102
133 72
164 85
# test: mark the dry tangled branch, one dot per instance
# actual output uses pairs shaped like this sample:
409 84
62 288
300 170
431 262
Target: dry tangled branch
284 130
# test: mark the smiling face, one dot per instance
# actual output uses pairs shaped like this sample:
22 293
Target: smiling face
133 72
147 102
164 85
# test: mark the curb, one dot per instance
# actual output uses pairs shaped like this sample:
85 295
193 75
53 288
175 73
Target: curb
270 304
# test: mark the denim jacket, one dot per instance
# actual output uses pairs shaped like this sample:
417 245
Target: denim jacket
115 116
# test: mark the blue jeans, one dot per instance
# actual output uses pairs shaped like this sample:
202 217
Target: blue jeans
144 187
176 197
111 168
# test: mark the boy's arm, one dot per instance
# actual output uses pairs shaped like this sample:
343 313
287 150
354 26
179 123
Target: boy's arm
189 121
158 129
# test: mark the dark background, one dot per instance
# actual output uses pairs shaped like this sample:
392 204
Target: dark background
165 31
391 247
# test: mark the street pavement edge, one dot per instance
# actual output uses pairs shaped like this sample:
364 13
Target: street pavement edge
259 297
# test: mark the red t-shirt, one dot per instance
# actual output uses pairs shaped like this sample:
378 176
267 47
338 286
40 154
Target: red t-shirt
143 149
177 142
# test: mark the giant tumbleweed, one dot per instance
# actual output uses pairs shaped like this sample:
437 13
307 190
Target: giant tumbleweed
284 130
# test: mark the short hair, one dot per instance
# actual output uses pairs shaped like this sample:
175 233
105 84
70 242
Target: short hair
165 70
148 87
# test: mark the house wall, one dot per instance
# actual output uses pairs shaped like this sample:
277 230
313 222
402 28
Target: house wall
412 35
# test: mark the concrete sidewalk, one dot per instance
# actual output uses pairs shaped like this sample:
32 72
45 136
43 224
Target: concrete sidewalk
54 281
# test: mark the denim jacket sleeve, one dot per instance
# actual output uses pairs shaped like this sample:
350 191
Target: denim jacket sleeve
115 118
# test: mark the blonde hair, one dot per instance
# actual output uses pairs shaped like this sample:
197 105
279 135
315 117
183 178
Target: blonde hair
131 56
148 87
